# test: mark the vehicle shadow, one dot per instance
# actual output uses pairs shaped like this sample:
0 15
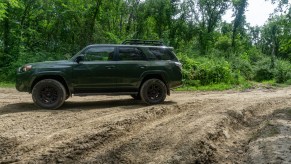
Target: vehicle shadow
75 106
87 105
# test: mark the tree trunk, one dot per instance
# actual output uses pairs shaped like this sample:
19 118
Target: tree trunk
238 21
6 34
91 29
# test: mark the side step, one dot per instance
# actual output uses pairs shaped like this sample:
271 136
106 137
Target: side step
109 94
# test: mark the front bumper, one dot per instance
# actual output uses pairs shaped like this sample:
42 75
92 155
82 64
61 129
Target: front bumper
23 81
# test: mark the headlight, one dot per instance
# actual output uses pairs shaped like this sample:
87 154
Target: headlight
26 68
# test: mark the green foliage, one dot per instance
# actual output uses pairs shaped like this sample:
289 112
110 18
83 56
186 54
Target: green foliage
213 71
205 71
6 85
216 87
276 36
282 71
189 65
7 74
264 70
223 43
4 4
243 66
213 52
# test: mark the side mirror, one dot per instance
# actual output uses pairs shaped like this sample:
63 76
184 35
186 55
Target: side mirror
79 58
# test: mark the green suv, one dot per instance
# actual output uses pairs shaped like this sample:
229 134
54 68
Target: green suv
145 70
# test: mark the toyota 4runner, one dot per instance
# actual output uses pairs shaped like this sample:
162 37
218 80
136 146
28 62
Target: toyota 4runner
146 70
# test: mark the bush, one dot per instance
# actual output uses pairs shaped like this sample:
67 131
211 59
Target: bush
264 70
223 43
189 65
205 71
282 71
213 71
242 66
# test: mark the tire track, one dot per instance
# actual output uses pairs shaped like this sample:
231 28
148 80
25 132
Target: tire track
202 127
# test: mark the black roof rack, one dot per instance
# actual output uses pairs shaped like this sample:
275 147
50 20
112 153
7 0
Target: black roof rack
143 42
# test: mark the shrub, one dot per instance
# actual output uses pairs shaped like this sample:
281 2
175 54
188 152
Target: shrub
213 71
223 43
205 71
189 65
264 70
242 66
282 71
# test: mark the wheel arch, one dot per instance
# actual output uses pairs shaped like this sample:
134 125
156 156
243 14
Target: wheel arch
159 76
58 78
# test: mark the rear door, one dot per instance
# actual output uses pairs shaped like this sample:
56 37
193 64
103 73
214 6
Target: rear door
131 64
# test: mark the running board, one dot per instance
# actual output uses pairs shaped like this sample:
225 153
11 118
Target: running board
108 94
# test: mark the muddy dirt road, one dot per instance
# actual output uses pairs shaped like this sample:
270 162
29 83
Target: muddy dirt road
190 127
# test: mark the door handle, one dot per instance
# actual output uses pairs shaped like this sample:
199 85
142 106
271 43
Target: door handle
110 67
142 67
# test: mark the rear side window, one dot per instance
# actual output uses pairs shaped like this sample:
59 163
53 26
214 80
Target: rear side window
162 54
130 53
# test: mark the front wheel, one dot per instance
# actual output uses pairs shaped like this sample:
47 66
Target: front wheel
49 94
153 91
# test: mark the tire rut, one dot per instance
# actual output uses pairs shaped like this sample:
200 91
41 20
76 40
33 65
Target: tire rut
208 127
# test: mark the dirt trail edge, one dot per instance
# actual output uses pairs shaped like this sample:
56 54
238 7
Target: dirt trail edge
190 127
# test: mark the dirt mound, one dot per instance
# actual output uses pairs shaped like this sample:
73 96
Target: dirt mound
201 127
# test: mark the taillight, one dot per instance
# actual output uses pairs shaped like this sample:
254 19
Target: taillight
179 65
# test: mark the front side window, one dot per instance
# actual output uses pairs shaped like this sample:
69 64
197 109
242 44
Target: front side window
99 54
130 53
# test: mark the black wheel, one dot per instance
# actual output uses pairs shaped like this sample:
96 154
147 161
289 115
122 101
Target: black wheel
49 94
136 97
153 91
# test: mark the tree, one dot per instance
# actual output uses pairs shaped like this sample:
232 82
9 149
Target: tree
276 34
6 10
206 14
239 20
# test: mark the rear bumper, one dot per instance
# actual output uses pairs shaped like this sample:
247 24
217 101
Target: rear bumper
175 84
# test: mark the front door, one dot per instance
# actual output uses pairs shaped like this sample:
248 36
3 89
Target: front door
96 72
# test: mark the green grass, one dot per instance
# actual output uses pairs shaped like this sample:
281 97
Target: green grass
6 85
244 85
217 87
272 83
213 87
269 82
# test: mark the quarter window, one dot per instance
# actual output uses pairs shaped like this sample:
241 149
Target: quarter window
161 54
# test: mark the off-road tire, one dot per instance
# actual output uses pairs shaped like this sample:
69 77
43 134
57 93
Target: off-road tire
153 91
49 94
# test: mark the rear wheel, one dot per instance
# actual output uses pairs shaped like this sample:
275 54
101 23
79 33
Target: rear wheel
153 91
49 94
